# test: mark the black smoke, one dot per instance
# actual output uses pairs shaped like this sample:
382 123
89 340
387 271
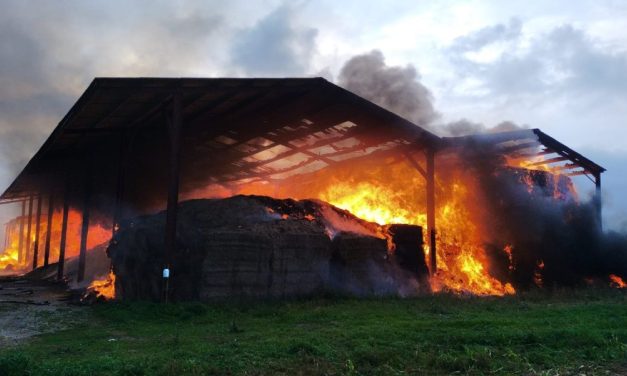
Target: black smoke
556 239
466 127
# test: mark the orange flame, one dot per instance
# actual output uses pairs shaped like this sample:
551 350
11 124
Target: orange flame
104 287
617 281
562 189
387 192
391 191
462 262
9 258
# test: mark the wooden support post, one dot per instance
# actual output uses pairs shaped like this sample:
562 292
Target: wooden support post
49 229
6 236
82 256
20 242
37 224
175 124
597 200
28 228
62 242
119 191
430 156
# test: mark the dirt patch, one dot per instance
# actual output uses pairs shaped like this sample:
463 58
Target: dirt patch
30 307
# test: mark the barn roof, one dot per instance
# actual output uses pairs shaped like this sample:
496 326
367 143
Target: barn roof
247 129
258 128
535 148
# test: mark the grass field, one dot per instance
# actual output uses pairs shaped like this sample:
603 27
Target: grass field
581 332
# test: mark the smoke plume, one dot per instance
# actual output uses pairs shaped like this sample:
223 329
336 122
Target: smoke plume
466 127
397 89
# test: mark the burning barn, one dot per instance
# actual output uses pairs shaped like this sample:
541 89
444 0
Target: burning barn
282 187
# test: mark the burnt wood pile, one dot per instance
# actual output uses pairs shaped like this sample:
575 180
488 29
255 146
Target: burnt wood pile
256 246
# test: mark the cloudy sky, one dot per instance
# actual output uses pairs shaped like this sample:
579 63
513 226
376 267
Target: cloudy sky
560 66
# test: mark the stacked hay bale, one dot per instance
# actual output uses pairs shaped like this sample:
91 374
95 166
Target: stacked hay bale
251 246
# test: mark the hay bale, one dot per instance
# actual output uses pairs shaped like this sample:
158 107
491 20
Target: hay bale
251 246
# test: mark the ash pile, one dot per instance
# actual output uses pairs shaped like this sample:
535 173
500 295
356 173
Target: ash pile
257 246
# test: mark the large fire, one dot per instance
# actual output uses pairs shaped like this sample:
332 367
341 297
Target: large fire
10 260
393 192
389 191
462 262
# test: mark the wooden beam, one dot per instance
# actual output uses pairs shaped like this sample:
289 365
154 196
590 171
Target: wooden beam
548 161
578 173
565 151
598 200
352 132
12 201
37 225
87 187
415 164
124 151
49 228
174 125
6 233
430 159
29 227
62 242
20 241
567 166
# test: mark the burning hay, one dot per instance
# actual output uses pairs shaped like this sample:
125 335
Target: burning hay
262 247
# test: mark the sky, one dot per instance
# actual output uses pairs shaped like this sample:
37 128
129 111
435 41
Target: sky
560 66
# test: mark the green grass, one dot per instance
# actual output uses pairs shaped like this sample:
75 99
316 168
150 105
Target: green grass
567 333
